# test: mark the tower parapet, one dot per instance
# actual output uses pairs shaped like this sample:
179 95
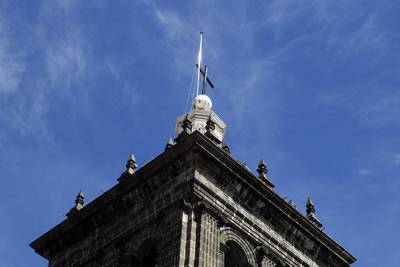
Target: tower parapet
199 116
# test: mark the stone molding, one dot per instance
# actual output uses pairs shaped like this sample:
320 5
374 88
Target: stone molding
146 196
229 234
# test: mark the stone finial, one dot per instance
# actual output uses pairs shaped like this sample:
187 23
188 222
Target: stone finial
210 125
311 213
262 168
210 133
290 202
310 206
187 125
169 144
131 164
79 202
226 148
262 171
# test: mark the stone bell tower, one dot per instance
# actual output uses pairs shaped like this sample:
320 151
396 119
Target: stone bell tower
193 205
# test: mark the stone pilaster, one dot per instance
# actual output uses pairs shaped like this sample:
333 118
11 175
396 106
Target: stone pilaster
189 238
208 244
170 248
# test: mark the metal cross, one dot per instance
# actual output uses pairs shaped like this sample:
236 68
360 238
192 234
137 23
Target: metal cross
205 79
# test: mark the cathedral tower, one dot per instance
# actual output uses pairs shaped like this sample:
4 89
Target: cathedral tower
193 205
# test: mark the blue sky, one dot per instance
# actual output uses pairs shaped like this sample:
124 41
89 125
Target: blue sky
312 87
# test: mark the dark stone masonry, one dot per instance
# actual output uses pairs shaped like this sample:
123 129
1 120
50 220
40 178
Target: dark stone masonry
193 205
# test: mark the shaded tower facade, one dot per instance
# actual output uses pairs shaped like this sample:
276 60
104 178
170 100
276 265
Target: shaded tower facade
193 205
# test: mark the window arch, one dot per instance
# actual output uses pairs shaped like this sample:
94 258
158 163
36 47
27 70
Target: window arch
234 244
235 255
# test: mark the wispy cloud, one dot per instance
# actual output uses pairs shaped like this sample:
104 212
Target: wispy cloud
177 33
24 114
246 83
65 61
369 36
370 94
174 25
181 36
15 116
129 92
396 159
11 62
362 172
382 111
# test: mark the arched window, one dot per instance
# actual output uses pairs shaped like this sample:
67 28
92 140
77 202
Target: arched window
235 256
146 255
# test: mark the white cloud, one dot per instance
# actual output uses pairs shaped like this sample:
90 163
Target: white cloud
182 37
369 36
372 94
18 107
129 93
24 113
65 4
246 82
178 34
11 70
382 110
65 60
396 159
362 172
278 13
172 23
11 63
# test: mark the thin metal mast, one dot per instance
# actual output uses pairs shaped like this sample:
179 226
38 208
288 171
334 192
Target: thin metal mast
199 57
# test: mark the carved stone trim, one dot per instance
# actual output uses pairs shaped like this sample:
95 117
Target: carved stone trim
229 234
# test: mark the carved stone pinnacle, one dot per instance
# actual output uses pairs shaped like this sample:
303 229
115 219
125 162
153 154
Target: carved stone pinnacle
131 164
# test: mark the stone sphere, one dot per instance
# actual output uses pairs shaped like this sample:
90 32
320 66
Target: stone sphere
202 102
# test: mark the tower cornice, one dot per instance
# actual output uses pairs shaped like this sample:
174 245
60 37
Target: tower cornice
195 143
